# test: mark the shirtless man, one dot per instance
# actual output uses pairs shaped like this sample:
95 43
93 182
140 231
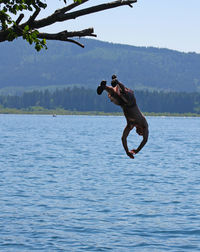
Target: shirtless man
124 97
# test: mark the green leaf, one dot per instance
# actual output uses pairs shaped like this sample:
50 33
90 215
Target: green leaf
38 47
26 28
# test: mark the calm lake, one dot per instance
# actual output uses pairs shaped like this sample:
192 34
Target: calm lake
66 184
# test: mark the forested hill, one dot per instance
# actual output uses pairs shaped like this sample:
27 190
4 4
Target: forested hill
67 64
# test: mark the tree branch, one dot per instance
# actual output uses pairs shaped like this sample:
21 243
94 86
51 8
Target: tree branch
35 14
69 7
95 9
21 16
60 17
75 42
3 35
65 35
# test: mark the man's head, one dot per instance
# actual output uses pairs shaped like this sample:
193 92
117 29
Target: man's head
139 130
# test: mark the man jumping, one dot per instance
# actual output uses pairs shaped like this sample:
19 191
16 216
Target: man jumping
124 97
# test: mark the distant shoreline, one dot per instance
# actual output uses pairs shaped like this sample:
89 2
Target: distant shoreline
55 112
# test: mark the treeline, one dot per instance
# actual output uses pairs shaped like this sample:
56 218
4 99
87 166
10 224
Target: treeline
81 99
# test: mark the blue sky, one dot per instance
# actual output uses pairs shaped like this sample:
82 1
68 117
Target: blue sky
173 24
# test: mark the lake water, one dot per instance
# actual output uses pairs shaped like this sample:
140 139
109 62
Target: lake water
67 185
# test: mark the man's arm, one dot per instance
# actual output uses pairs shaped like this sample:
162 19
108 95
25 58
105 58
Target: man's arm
121 86
126 132
144 141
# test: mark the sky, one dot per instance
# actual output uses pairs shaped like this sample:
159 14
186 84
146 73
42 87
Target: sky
172 24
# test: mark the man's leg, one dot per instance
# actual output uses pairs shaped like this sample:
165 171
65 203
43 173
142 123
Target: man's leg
110 90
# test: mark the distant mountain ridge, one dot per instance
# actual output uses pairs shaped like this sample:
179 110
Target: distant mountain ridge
67 64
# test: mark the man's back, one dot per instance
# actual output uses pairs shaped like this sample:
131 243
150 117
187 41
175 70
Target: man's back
133 114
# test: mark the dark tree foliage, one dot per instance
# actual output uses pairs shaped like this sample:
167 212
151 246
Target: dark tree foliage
81 99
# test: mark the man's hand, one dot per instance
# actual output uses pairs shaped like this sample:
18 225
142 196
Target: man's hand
130 154
134 151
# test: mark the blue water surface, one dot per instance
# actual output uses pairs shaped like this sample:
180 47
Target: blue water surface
66 184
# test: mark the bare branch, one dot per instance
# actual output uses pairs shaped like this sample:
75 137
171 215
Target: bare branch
35 14
69 7
60 17
75 42
95 9
63 36
21 16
